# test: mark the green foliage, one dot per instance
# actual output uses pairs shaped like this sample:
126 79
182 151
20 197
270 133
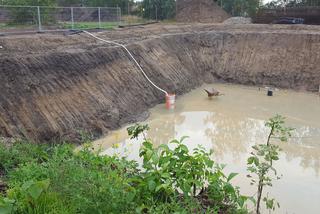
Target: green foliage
134 131
123 4
167 170
291 3
262 158
19 153
30 2
6 205
240 7
171 172
71 183
158 9
55 179
29 15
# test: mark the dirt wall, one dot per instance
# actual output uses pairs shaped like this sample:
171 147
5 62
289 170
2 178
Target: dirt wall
50 93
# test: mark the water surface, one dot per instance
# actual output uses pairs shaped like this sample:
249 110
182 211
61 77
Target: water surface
230 125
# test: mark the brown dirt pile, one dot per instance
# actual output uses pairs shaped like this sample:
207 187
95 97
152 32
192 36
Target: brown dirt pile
204 11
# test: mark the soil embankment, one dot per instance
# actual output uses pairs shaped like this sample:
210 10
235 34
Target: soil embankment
53 85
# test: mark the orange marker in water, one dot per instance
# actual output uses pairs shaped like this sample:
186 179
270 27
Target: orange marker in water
170 100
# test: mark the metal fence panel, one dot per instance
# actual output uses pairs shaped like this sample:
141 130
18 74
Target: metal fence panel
18 18
38 18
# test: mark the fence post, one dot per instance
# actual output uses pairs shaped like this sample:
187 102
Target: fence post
72 19
39 19
128 8
99 14
156 13
119 14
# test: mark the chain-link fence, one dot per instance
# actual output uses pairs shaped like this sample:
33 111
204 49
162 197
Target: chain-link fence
39 18
149 11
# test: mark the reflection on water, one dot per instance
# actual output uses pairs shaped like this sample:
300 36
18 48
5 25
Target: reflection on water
230 125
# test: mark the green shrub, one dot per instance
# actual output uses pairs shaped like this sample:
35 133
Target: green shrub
170 175
55 179
21 152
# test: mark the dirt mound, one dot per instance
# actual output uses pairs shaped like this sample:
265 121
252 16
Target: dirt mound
237 21
61 84
204 11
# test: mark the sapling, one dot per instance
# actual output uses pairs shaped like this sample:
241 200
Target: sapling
262 159
137 129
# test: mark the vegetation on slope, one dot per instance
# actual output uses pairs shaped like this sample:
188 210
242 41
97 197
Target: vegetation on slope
43 178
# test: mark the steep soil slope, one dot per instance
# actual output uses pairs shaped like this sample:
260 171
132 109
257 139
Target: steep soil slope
54 85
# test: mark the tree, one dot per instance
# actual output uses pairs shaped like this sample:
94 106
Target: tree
29 15
291 3
158 9
30 2
262 159
240 7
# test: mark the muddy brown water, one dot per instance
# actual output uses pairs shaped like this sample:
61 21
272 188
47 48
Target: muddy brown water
230 125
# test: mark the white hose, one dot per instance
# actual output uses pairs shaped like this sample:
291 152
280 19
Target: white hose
135 61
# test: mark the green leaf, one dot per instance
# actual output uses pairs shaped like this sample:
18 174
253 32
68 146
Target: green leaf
6 206
184 148
155 158
165 175
162 186
151 185
37 188
26 185
229 189
231 176
35 191
183 138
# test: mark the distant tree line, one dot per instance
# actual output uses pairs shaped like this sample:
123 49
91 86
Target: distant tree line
158 9
240 7
292 3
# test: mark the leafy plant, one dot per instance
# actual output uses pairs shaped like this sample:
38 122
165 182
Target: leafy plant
262 158
136 130
20 152
6 205
56 179
172 171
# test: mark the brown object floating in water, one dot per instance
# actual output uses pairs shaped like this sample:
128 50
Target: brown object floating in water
213 93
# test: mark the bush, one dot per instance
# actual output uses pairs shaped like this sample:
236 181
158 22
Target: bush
55 179
29 15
